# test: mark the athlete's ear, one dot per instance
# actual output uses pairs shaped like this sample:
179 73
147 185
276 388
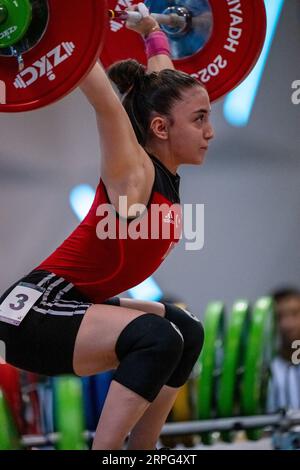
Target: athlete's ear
160 127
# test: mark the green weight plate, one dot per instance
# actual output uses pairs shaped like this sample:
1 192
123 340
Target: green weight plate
234 353
16 17
69 413
9 438
259 352
210 363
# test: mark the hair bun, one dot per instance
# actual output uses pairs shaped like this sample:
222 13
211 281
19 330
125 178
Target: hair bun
126 73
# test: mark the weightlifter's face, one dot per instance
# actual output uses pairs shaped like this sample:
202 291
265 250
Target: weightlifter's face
191 130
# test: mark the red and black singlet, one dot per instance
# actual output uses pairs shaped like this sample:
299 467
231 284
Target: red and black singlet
102 268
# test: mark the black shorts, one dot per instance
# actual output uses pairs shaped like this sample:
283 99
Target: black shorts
44 341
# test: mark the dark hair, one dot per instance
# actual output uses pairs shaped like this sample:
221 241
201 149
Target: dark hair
148 92
284 293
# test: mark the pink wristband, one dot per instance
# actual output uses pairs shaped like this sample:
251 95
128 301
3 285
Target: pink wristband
157 43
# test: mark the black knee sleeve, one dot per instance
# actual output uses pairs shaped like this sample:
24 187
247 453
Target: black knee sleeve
193 335
149 349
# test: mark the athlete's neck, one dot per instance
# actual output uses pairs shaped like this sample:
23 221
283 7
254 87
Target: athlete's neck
164 156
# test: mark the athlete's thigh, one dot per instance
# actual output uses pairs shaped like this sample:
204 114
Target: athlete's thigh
99 331
144 305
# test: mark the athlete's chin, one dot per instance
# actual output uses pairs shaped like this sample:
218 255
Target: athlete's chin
196 159
199 159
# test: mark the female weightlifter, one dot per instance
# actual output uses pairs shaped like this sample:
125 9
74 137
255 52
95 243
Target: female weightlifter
70 320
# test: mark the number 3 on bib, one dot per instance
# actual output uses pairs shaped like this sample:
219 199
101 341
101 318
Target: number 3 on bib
18 302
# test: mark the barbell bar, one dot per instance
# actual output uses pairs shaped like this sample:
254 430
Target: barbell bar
173 19
282 421
178 17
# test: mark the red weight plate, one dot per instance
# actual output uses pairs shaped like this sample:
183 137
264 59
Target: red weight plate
238 35
55 66
10 385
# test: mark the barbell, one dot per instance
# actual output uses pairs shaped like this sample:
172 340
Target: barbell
47 47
